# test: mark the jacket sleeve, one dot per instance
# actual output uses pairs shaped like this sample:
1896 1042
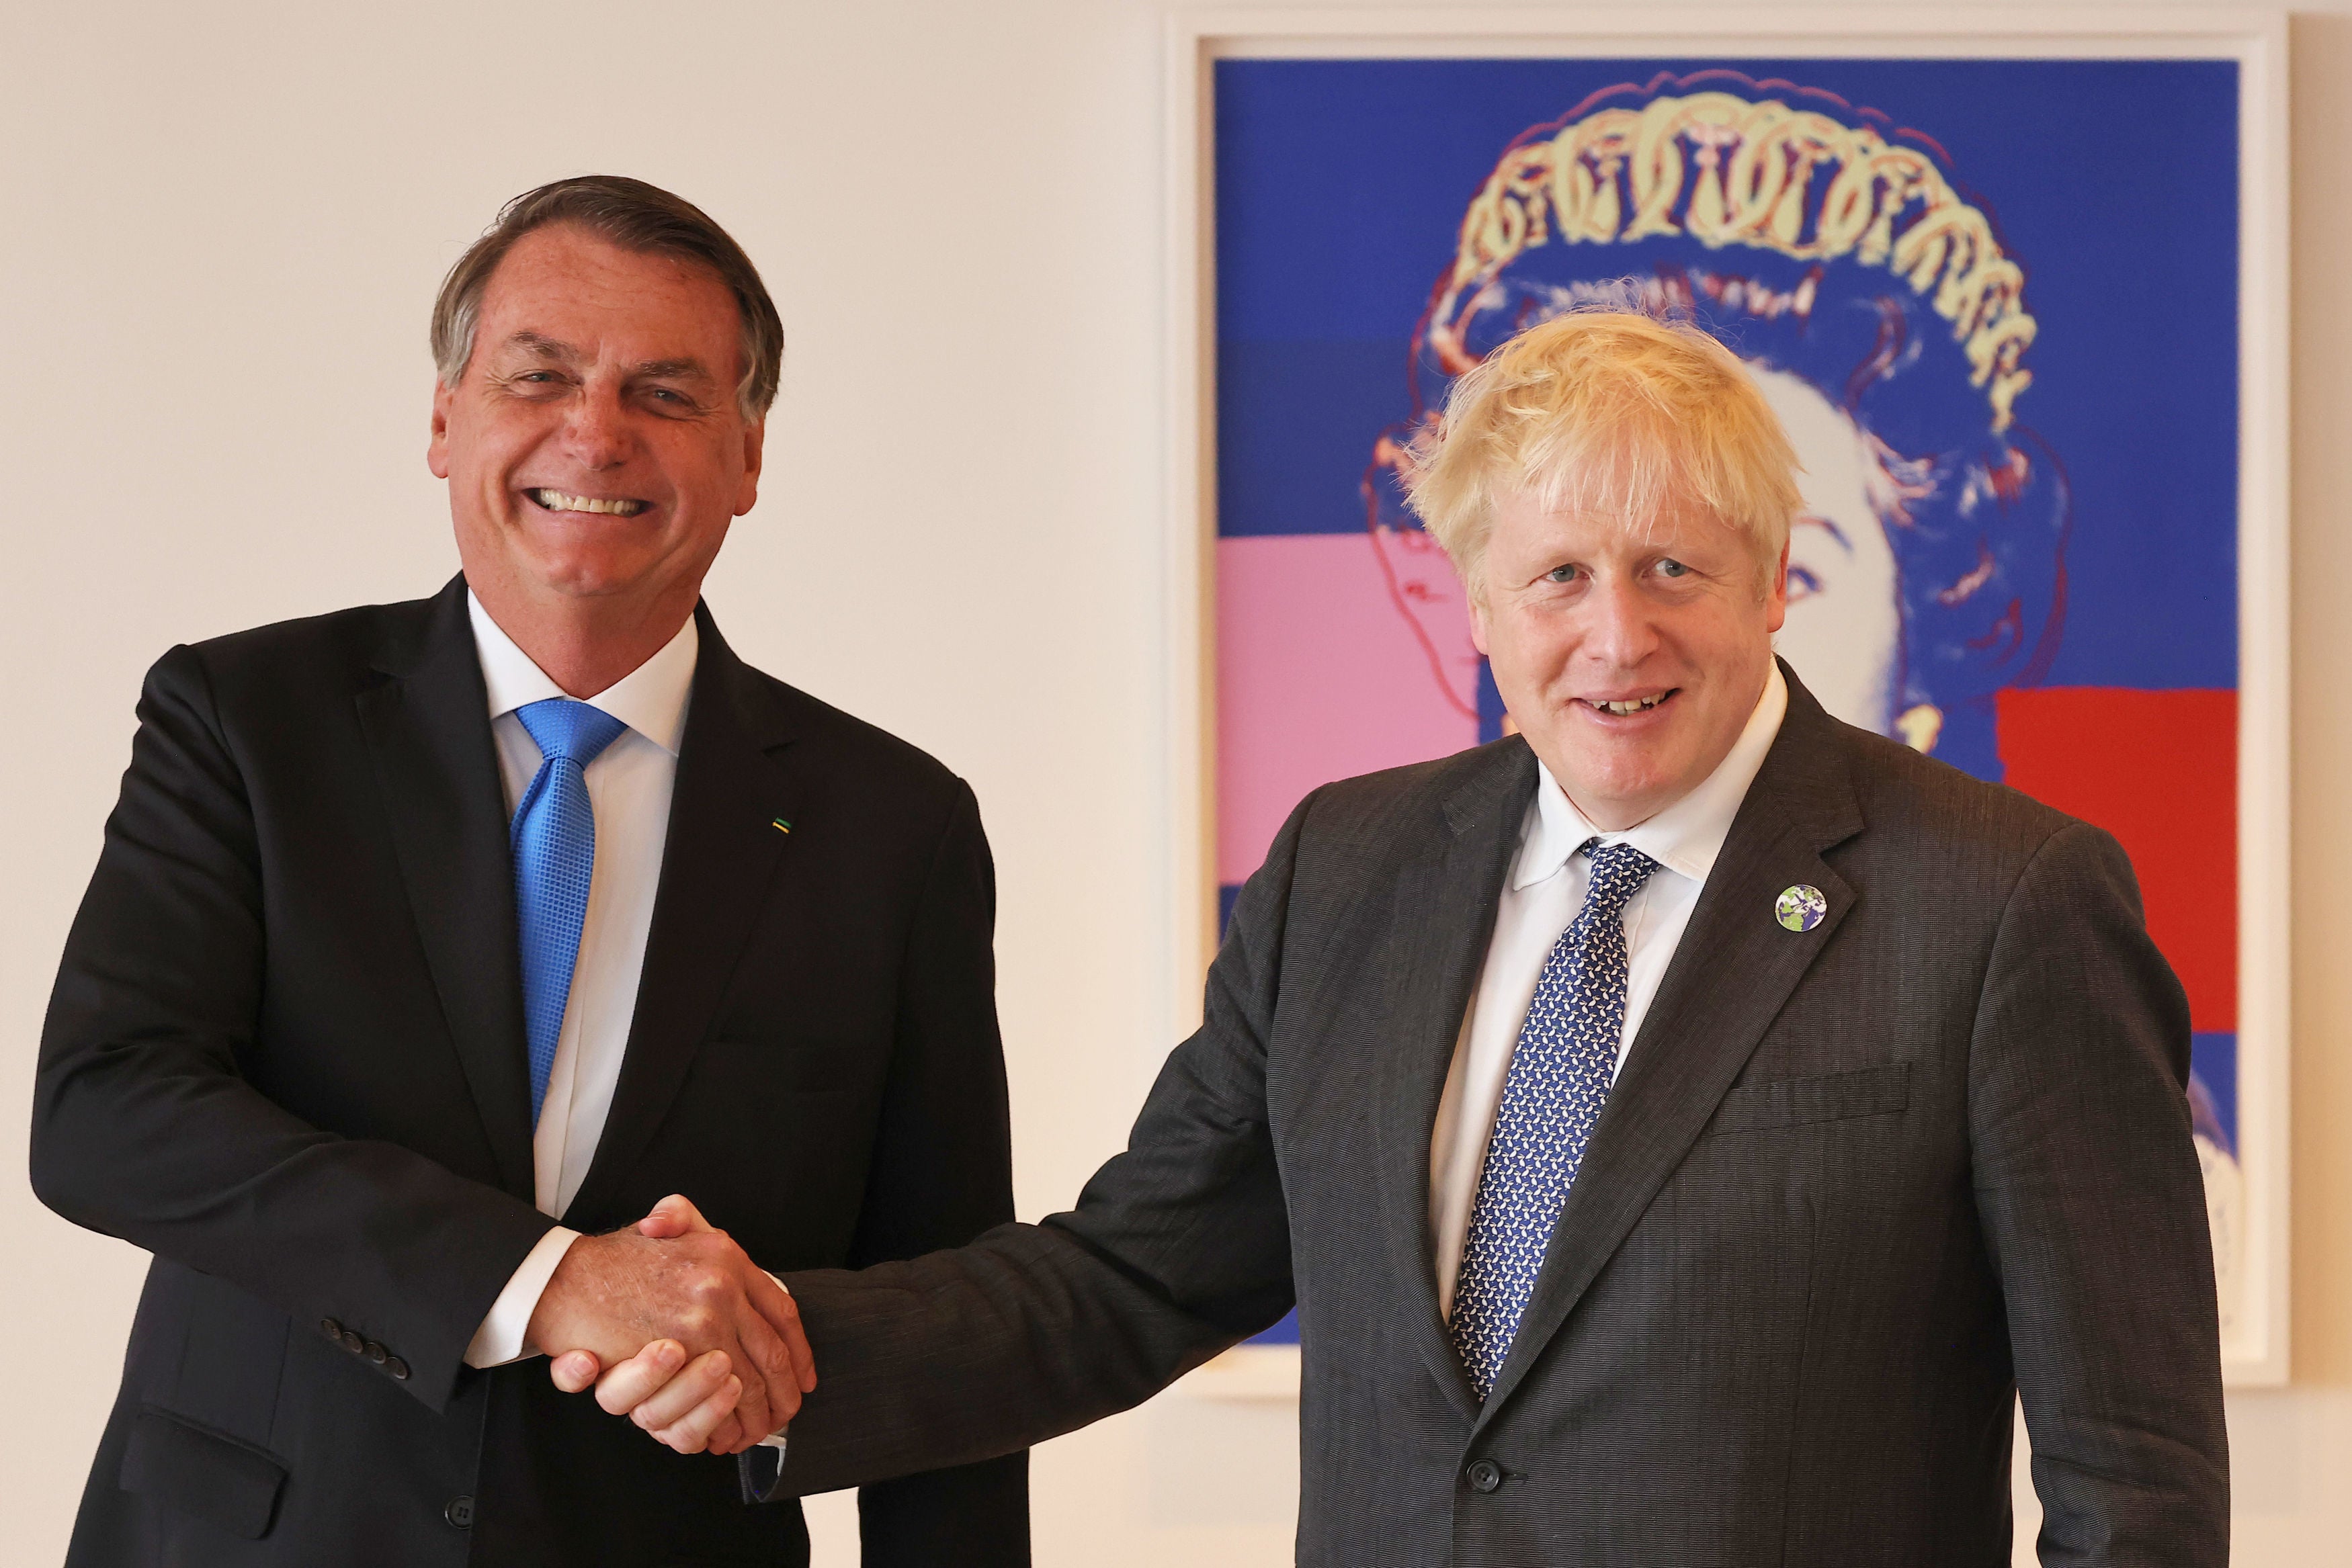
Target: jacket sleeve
2093 1213
145 1126
1177 1249
941 1173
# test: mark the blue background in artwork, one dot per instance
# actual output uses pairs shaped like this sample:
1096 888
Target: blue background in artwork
2213 1058
1340 186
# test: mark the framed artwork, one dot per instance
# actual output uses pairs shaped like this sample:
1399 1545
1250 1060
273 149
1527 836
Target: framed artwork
2014 282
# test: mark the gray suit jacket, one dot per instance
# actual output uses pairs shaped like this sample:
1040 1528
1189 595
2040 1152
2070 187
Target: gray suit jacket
1853 1186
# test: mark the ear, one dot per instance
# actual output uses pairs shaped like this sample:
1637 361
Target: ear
437 449
1776 594
747 492
1477 600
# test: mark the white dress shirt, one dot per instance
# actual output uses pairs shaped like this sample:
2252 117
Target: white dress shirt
629 785
1540 897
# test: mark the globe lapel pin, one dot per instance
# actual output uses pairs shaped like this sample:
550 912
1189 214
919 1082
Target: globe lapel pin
1800 908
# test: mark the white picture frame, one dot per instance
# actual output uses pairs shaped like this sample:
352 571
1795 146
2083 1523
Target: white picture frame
2255 1353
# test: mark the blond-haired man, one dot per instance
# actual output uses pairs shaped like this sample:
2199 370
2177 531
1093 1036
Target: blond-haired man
1681 1125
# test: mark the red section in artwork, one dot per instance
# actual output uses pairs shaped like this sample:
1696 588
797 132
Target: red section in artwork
2159 771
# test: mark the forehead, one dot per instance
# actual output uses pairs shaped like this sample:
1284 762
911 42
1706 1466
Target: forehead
1527 521
564 285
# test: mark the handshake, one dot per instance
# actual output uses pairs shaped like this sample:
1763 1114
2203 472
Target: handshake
670 1321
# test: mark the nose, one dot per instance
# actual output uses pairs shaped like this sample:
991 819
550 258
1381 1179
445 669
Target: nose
598 429
1617 632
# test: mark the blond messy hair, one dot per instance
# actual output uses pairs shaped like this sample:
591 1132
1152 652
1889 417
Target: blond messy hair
1605 412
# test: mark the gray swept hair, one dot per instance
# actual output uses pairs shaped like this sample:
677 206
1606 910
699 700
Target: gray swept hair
636 216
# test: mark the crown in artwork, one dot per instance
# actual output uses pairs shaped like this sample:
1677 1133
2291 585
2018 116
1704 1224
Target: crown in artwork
1726 171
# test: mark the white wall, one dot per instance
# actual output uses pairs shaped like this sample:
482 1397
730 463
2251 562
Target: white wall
223 226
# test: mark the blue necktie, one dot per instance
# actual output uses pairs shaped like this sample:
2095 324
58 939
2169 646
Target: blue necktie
1560 1076
554 857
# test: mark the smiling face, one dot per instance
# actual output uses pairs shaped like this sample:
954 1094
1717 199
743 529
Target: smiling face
1631 660
594 445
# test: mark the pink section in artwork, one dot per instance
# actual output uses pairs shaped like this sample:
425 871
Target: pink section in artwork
1320 675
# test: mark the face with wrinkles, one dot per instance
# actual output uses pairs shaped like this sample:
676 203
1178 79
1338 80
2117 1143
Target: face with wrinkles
594 445
1630 657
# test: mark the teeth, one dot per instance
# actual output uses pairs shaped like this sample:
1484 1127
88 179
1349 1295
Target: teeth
564 501
1637 704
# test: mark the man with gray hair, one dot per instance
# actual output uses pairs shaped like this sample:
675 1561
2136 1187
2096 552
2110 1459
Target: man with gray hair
433 942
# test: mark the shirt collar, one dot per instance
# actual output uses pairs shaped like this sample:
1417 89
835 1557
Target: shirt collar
649 699
1687 835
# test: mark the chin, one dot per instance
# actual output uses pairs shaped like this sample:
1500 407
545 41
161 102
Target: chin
1649 779
1647 793
595 580
579 564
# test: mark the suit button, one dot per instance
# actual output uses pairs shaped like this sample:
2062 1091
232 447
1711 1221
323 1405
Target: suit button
376 1353
460 1513
1483 1475
354 1343
331 1328
397 1367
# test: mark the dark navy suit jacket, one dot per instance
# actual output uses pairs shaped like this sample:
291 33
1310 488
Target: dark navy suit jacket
286 1055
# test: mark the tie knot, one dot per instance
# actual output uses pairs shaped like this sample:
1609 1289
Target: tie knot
1618 872
571 730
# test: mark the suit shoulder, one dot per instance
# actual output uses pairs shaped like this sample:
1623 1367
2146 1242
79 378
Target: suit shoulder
1932 803
874 755
336 648
1375 802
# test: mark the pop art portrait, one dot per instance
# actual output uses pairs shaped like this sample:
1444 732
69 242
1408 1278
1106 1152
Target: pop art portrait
1999 325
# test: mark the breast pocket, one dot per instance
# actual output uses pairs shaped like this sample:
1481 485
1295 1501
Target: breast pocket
1828 1097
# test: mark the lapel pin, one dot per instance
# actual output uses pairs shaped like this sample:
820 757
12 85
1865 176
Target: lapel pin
1800 908
786 828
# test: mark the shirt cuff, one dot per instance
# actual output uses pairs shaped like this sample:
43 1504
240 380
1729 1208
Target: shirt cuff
500 1338
775 1439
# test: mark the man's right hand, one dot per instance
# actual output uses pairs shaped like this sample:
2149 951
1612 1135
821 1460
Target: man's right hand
616 1295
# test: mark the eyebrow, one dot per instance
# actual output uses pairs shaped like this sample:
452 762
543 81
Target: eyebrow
672 369
541 346
1835 532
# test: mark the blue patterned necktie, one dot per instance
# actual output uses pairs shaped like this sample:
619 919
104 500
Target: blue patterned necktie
1560 1076
554 840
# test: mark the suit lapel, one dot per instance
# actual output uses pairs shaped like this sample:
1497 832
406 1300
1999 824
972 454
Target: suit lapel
1731 975
722 855
429 730
1448 893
